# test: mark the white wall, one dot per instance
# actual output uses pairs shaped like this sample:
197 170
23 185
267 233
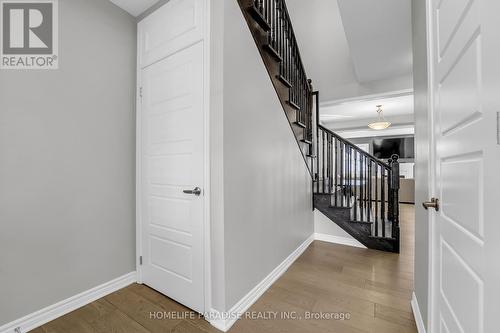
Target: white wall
328 230
67 156
267 201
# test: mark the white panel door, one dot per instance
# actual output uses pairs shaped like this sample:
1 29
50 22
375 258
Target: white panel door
174 26
172 162
466 89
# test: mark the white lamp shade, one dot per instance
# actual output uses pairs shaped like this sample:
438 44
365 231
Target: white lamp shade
381 125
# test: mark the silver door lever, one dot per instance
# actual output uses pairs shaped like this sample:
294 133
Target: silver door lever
196 191
434 203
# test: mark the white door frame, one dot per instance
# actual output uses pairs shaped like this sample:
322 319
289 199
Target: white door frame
206 151
431 167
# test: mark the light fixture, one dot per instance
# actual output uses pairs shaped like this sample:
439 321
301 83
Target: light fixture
381 123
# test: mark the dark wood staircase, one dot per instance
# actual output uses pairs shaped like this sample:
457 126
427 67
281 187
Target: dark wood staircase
279 51
351 187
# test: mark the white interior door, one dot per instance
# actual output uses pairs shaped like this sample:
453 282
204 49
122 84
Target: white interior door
465 47
173 162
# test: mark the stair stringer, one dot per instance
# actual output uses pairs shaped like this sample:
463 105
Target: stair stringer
361 231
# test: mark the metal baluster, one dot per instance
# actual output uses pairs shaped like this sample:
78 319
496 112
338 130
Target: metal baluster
366 187
389 193
275 26
258 5
342 170
284 63
301 96
355 185
328 164
289 56
382 201
264 10
317 152
361 186
294 76
324 160
395 192
376 199
350 174
281 20
330 159
348 188
336 171
369 190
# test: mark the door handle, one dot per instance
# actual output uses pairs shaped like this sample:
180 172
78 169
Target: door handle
196 191
434 203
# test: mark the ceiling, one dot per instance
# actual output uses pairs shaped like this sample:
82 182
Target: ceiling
323 45
379 34
134 7
369 133
372 55
366 109
350 118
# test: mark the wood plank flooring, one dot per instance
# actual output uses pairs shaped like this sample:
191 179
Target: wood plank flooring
373 288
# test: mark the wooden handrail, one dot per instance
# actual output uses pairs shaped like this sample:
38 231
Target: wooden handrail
373 158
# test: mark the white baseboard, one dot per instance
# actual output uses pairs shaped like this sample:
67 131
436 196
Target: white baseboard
40 317
338 240
417 314
224 321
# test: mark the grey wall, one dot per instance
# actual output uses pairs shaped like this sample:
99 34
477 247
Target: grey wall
67 156
323 225
217 155
267 207
421 155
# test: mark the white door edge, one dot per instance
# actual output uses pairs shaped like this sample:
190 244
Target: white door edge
431 167
206 185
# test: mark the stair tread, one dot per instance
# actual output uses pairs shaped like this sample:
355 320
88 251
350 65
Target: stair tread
365 222
384 238
284 81
293 105
270 49
257 16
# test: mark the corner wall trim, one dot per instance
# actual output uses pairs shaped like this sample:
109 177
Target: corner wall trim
338 240
417 314
224 320
40 317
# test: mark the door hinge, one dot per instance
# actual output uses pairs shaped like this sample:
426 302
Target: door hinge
140 92
140 260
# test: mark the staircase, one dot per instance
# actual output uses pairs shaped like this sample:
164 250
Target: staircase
354 189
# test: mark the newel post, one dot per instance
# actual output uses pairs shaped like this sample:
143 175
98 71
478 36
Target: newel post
394 198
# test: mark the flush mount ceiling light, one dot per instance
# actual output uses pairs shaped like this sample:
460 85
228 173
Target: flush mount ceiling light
381 123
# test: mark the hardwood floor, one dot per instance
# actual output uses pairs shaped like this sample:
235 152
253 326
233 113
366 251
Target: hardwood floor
373 288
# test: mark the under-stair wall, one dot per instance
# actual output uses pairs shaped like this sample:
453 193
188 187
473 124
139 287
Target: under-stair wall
266 210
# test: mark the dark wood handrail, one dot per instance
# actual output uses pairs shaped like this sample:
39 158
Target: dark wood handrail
354 146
